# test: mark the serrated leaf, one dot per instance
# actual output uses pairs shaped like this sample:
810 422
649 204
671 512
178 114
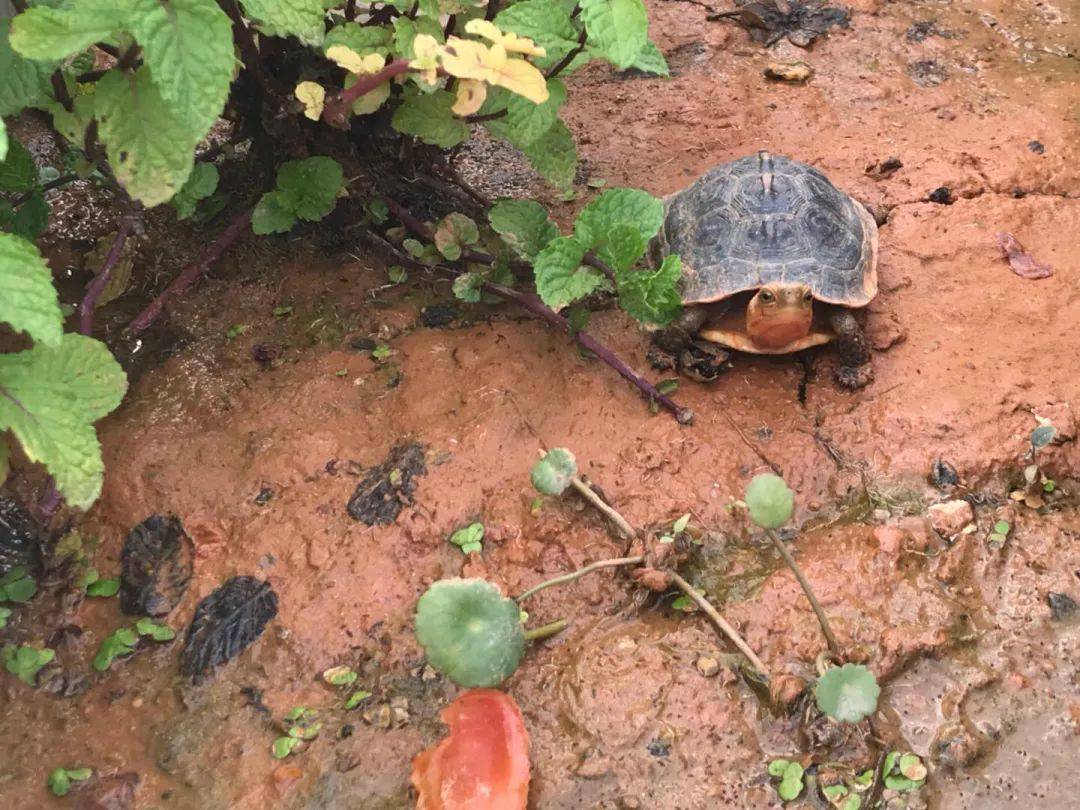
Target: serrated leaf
545 22
272 214
54 33
470 632
149 146
561 279
619 206
467 287
52 397
618 29
28 300
201 183
363 39
429 118
310 187
652 296
526 121
769 501
620 247
29 220
554 472
651 60
454 232
225 623
524 225
282 18
554 155
25 82
848 693
17 171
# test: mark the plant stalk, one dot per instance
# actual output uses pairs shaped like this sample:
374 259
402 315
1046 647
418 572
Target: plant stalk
570 57
588 569
830 639
101 280
336 111
545 630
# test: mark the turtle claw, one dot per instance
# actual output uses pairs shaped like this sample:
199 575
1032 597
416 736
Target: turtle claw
704 361
852 378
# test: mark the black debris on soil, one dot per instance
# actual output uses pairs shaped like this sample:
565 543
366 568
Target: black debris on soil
659 748
363 344
21 544
927 73
1036 147
264 497
885 168
226 623
388 487
438 315
769 21
942 196
1062 606
155 566
943 474
928 28
266 353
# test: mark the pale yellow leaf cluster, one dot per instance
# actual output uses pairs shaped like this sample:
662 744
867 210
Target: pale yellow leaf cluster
313 94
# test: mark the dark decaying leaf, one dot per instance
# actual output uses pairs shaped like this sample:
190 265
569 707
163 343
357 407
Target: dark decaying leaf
226 622
801 22
113 792
1022 262
20 542
385 489
156 565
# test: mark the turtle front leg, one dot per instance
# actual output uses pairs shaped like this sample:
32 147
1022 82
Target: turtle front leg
676 347
853 348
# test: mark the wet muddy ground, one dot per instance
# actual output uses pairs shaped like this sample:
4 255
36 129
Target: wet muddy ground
260 459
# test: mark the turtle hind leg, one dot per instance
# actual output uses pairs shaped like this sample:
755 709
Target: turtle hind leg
853 348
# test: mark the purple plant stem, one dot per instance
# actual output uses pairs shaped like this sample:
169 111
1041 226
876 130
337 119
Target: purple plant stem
93 292
193 272
49 503
533 304
336 110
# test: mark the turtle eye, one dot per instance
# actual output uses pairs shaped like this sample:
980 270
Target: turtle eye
808 296
767 296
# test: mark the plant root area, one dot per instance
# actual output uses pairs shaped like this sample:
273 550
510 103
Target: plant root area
257 442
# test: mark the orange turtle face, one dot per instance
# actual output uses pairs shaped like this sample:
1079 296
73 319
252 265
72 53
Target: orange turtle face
779 315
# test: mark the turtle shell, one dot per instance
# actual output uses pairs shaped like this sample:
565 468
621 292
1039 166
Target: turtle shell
765 219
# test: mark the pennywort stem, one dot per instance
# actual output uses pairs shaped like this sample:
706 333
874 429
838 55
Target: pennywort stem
591 496
830 639
545 630
588 569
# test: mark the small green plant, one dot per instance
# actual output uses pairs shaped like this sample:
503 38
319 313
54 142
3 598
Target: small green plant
554 472
840 796
25 662
122 642
154 630
999 534
790 776
5 614
847 694
769 501
60 779
236 330
301 725
17 586
468 539
903 772
283 746
340 676
356 698
93 585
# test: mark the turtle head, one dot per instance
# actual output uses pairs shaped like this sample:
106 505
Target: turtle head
780 313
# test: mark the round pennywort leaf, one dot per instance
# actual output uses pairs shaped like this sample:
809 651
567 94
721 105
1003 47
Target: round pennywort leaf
553 473
471 633
770 501
848 693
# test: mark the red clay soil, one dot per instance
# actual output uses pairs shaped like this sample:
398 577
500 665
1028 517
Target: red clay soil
981 678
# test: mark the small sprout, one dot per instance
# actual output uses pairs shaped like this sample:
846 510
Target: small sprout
834 793
685 603
679 526
396 273
536 505
912 767
777 767
470 632
60 779
999 533
667 386
1049 485
340 676
103 587
377 210
893 768
568 196
395 477
304 723
341 372
236 330
281 312
17 586
852 802
770 501
469 538
119 644
5 614
356 698
25 662
283 746
790 775
1042 436
848 693
596 182
553 473
666 539
158 632
865 779
381 352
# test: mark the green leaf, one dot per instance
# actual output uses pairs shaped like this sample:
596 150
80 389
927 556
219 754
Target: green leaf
553 473
791 784
340 676
201 183
28 300
25 83
429 118
770 501
17 172
524 225
156 631
363 39
470 632
3 140
272 214
17 586
454 232
150 147
833 792
619 206
865 779
356 698
25 662
54 33
554 155
281 18
526 121
852 802
679 526
620 247
469 538
236 330
60 779
560 277
545 22
651 60
30 219
283 746
652 296
777 767
684 603
310 187
467 287
120 643
1002 527
848 693
103 587
51 398
618 29
912 767
5 614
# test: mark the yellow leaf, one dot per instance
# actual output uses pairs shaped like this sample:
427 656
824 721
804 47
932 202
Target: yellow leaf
346 57
517 75
465 59
425 57
470 97
313 96
512 42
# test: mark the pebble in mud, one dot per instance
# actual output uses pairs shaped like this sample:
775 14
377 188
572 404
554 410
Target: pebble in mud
950 518
1062 606
707 666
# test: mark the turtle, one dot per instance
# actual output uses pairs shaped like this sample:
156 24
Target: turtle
775 259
